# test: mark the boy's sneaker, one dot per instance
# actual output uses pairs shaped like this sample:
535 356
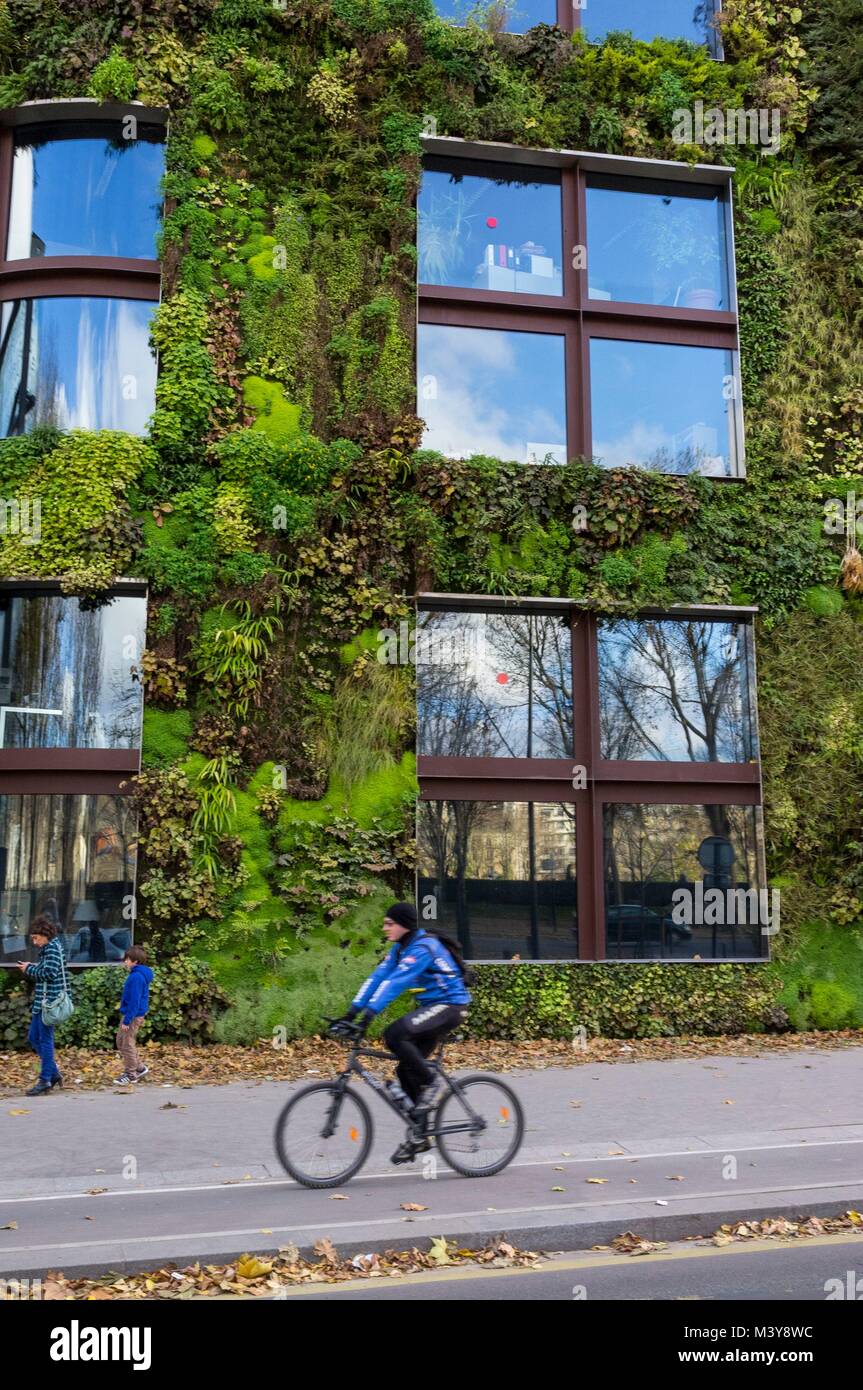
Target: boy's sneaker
141 1072
125 1080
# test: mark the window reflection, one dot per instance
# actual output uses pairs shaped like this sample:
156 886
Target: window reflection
81 189
653 852
73 858
663 406
656 243
493 392
494 685
503 875
676 691
515 16
484 229
66 672
76 363
670 19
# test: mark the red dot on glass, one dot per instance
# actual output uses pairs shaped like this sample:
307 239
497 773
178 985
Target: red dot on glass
491 221
502 678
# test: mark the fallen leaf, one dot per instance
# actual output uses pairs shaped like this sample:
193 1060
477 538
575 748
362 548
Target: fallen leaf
10 1226
250 1267
19 1112
411 1206
598 1180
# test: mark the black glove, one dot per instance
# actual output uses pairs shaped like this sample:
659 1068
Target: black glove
346 1027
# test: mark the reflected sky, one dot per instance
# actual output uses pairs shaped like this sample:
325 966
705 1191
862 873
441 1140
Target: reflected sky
521 14
674 691
652 243
56 655
648 19
494 685
84 195
76 363
489 391
661 406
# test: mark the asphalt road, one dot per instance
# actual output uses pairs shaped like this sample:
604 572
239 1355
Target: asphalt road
100 1180
759 1271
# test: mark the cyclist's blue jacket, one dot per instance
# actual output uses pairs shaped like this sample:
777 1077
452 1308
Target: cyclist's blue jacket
421 962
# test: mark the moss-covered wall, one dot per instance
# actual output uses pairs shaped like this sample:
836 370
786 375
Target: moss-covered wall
280 510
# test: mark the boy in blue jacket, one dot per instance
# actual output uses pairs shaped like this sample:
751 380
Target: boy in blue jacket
134 1005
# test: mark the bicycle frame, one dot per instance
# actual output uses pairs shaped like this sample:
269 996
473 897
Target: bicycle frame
475 1124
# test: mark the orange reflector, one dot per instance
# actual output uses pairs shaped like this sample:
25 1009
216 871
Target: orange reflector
354 1133
504 1113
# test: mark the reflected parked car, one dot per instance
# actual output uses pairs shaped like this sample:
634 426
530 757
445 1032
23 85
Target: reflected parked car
626 923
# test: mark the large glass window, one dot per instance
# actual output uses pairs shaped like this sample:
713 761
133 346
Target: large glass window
568 312
482 228
657 243
66 672
675 690
83 189
665 406
649 19
76 363
494 685
493 392
682 881
502 876
537 725
72 858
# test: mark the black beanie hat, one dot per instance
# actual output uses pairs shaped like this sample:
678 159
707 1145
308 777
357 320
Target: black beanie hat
403 913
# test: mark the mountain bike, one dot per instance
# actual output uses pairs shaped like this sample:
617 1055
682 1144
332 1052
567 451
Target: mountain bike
324 1134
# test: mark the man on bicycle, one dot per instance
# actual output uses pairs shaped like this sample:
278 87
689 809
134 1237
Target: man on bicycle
417 961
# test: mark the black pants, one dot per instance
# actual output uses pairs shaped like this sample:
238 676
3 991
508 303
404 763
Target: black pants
414 1036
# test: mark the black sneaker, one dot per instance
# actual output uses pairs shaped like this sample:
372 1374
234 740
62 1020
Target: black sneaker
141 1072
407 1152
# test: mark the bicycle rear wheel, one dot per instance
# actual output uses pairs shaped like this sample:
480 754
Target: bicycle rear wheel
496 1126
312 1157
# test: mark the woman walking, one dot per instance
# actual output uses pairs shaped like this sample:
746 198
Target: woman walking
49 972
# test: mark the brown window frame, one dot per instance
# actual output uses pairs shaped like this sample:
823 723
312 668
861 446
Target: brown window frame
41 277
573 315
608 782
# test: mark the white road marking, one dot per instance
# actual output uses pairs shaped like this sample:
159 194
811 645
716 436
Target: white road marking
225 1184
433 1220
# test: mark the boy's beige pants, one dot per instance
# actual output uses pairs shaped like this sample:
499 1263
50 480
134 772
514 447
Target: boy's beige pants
126 1046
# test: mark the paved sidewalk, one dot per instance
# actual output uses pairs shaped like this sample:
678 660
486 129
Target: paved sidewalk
106 1180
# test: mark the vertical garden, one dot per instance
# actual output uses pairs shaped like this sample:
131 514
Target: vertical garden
282 510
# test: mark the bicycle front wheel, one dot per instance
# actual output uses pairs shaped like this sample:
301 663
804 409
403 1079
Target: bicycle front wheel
491 1126
323 1135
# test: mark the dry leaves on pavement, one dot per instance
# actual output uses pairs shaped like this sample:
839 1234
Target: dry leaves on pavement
185 1066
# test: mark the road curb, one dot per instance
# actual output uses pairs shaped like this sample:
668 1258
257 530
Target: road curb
549 1235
